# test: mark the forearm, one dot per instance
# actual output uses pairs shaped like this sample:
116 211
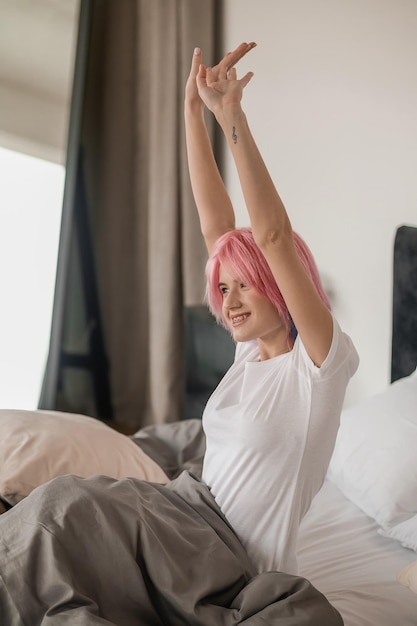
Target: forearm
212 200
268 216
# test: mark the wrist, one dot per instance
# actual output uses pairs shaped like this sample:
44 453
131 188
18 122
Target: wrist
230 115
193 108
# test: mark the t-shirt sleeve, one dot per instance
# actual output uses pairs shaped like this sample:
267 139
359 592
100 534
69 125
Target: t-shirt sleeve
342 353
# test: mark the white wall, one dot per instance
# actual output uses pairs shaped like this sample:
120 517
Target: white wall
33 123
333 106
37 50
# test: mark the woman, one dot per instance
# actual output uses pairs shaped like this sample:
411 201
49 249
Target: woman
122 552
272 422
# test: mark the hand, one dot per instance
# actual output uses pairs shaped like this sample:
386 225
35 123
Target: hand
219 87
192 96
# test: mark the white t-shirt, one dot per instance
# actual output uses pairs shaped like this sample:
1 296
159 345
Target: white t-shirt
270 428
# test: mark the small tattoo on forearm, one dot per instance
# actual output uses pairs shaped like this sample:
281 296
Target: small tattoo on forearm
234 136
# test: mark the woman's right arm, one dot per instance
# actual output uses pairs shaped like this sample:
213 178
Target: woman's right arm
214 206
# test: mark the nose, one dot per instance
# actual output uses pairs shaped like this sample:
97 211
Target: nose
232 300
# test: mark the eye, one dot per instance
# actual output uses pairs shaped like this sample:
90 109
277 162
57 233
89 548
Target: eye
244 286
224 289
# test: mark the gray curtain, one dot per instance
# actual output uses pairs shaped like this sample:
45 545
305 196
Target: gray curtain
148 253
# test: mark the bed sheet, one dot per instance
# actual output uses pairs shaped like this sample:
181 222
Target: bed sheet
90 551
343 555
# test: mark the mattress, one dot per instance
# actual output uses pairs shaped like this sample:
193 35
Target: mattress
343 555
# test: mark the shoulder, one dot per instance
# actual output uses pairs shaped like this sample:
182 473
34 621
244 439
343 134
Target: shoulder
342 354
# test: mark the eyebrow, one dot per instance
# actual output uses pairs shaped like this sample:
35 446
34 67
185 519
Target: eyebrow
234 280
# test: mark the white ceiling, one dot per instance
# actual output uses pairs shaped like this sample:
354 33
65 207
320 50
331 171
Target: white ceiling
37 45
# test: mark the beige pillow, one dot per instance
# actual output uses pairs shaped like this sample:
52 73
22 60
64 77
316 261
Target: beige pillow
36 446
408 576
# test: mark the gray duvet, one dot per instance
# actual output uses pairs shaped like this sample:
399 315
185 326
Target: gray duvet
130 553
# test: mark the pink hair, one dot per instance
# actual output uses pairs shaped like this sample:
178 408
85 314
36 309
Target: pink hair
239 255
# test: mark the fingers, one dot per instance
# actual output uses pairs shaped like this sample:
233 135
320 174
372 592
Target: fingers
226 64
234 57
246 78
202 75
222 73
232 74
209 76
196 61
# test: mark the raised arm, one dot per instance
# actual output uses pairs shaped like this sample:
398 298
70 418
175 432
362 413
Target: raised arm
270 223
213 202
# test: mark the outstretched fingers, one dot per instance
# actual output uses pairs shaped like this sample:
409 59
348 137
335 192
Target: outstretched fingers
221 71
246 78
196 62
234 57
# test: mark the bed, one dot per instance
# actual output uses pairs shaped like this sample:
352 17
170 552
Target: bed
357 544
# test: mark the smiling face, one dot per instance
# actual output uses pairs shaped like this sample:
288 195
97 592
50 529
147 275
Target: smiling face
249 315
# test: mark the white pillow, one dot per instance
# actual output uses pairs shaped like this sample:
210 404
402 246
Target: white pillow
36 446
375 458
405 533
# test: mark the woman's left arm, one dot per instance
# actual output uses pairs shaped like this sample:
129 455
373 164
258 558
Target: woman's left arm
270 223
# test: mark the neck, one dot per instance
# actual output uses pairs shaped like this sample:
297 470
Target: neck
270 350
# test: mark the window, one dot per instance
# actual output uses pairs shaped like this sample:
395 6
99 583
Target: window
31 192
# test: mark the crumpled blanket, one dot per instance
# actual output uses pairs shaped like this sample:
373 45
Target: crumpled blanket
129 553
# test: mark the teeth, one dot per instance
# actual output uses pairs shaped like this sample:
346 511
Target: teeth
238 319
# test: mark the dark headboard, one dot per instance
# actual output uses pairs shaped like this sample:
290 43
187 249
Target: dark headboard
404 313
